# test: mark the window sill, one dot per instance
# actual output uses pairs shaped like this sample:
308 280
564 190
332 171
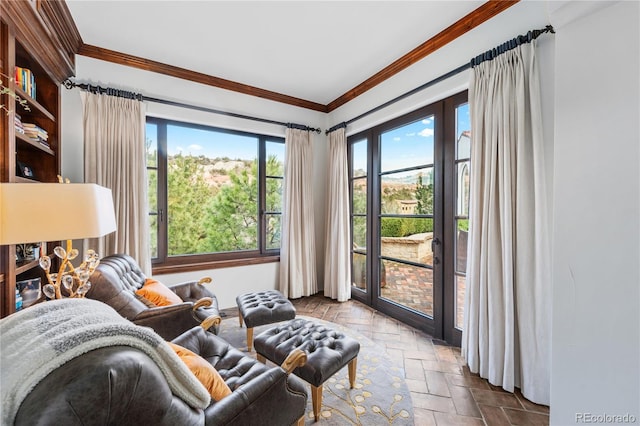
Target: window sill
217 264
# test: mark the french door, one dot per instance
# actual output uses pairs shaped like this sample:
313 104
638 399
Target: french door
409 216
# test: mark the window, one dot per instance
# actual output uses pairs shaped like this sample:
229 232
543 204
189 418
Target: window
214 194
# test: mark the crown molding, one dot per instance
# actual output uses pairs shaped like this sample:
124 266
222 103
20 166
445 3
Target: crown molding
197 77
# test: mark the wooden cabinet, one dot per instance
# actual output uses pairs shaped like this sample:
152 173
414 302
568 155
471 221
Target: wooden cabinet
39 36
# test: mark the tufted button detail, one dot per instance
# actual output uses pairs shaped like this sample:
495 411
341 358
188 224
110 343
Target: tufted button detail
264 307
327 350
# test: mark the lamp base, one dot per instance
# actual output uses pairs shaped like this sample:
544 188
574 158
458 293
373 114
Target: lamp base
68 281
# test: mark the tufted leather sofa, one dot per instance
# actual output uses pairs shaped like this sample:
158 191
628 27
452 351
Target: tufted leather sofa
120 385
116 280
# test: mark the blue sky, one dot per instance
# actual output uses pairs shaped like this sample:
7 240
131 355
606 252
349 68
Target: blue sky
409 145
406 146
198 142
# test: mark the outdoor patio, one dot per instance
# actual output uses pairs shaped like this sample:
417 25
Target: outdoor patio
413 287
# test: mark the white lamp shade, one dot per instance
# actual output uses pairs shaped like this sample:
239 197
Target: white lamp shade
35 212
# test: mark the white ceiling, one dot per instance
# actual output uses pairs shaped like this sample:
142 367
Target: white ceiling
314 50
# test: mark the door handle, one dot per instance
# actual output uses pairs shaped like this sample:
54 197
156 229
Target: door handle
435 242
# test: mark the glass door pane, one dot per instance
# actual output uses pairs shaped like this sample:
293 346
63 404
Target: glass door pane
406 194
462 176
359 202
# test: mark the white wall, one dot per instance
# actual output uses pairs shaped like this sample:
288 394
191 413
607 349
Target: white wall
228 283
596 325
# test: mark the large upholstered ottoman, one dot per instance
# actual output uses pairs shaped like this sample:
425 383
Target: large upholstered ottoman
327 351
264 307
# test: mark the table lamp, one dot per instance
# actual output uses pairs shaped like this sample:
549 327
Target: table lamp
35 212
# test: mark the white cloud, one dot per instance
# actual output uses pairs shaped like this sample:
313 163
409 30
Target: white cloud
396 139
412 134
426 133
427 120
179 148
195 147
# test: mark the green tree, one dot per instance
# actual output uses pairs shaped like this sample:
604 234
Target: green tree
274 201
232 216
188 194
360 222
424 196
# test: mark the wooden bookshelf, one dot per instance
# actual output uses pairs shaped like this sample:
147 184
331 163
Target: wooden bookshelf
39 36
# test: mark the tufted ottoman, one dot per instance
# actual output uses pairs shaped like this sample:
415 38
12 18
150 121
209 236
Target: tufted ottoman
264 307
327 352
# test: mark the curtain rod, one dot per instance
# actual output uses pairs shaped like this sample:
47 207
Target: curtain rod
138 96
486 56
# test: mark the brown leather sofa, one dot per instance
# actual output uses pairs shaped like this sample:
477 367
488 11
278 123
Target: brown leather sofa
116 280
120 385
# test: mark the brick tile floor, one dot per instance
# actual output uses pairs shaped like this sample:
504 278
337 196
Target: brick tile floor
443 390
412 286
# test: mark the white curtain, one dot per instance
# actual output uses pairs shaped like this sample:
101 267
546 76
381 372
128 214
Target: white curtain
507 328
337 270
114 157
298 248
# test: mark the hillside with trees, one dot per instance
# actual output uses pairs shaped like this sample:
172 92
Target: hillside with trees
213 204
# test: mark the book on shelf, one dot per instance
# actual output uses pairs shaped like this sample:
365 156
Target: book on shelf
36 133
26 81
17 122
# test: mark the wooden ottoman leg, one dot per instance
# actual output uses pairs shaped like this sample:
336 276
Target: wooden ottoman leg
260 358
352 371
316 400
300 421
240 318
249 338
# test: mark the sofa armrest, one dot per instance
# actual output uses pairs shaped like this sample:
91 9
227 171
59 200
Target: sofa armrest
271 398
297 358
169 310
168 321
204 302
193 290
211 321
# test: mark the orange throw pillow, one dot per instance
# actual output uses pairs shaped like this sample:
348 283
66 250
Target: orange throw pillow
205 373
158 293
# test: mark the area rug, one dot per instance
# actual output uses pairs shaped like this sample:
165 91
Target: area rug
380 395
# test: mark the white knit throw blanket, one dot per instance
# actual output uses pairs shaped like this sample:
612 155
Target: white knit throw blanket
37 340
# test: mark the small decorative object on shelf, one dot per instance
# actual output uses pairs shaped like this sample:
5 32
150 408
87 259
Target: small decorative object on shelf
29 291
24 170
28 252
18 300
